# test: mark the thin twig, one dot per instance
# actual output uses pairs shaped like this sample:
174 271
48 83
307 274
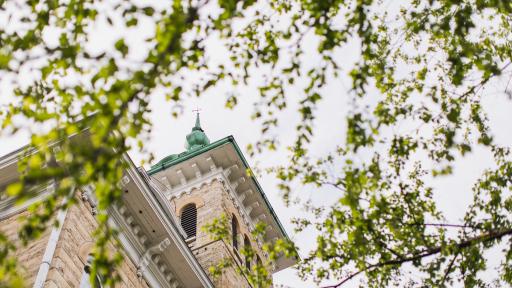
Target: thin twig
444 225
449 268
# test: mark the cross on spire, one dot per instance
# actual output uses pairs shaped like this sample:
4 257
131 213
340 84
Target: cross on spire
197 138
198 122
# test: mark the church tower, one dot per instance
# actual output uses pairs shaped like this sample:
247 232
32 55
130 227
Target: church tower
209 180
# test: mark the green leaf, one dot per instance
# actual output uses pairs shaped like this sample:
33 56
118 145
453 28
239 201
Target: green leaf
14 189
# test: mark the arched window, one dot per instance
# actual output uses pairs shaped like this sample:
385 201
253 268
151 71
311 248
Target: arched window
189 220
234 231
85 280
247 246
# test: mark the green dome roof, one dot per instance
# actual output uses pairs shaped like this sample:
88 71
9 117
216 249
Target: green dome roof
168 158
197 138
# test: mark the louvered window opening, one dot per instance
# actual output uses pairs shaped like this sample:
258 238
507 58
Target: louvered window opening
247 246
189 220
234 230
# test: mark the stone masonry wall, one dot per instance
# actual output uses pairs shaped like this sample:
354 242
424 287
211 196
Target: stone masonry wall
30 256
211 254
67 264
212 200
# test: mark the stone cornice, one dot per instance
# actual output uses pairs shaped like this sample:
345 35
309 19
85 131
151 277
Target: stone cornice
8 205
162 211
221 144
133 240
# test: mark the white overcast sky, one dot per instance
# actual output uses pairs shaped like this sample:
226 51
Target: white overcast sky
168 137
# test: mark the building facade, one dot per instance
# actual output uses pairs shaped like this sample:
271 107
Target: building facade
159 219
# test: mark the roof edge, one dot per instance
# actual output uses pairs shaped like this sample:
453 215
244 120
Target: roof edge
164 165
175 234
229 139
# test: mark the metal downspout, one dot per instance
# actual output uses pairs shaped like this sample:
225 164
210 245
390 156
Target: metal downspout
50 250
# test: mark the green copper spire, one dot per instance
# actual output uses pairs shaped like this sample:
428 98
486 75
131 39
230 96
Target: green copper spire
198 123
197 138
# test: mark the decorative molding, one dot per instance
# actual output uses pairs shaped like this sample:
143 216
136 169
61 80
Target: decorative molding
134 242
251 207
248 192
235 184
163 211
182 178
238 199
84 250
197 200
15 156
230 169
8 205
187 189
154 251
166 182
196 169
211 163
88 195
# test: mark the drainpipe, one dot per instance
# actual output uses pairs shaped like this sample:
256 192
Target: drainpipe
50 250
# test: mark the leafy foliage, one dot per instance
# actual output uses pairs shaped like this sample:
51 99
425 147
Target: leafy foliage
101 95
422 65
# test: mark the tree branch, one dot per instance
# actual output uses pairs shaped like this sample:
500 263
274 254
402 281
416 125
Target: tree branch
492 235
444 225
449 268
